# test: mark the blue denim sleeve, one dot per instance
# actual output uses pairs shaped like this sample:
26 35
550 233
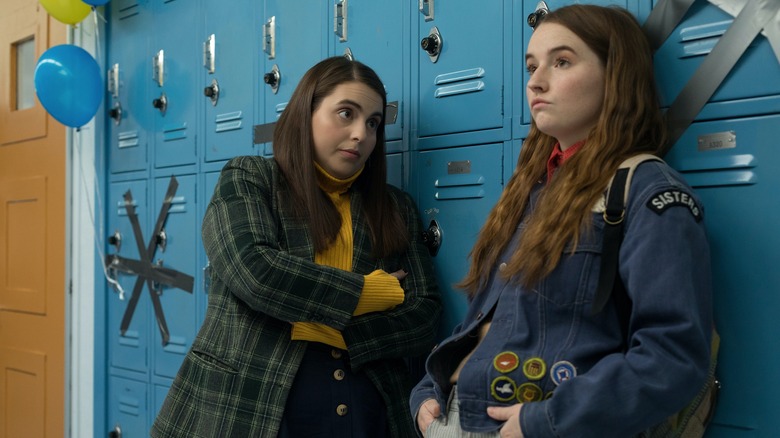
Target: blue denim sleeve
665 266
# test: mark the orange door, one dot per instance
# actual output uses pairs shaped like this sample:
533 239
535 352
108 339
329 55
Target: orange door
32 232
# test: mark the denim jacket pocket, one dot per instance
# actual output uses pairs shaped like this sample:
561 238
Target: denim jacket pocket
573 282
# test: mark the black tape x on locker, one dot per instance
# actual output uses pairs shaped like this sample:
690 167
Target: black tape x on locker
145 269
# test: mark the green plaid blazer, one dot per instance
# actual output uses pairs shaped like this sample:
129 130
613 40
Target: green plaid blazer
235 379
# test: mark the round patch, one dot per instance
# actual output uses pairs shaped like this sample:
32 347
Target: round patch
506 362
534 368
503 388
562 371
529 392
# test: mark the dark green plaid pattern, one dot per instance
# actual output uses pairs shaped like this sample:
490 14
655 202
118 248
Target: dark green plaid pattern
235 379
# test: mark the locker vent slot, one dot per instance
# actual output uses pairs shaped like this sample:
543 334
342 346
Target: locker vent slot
127 139
130 406
460 187
178 205
128 9
121 210
719 171
464 79
175 132
699 40
176 344
130 339
279 108
228 121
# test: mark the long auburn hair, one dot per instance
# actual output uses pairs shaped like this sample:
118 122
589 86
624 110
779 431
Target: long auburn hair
293 146
630 122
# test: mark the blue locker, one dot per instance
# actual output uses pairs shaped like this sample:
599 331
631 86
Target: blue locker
179 253
127 408
228 61
732 165
293 38
375 34
128 352
175 99
753 85
127 132
395 170
457 187
463 71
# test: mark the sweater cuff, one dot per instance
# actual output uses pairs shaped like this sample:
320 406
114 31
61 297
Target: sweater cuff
310 331
381 291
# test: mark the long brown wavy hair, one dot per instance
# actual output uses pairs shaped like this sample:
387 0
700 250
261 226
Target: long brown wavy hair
630 122
293 146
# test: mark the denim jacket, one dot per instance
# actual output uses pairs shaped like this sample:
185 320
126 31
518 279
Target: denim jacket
583 378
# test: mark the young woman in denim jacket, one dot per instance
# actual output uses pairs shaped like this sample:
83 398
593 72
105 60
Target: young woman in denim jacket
530 359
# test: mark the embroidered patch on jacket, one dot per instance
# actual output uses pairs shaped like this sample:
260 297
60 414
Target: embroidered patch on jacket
666 199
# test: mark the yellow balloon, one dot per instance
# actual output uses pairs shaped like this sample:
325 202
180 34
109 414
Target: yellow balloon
67 11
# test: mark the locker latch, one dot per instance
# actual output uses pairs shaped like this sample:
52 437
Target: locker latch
269 37
113 81
432 238
426 8
212 92
209 53
340 19
158 68
433 44
273 78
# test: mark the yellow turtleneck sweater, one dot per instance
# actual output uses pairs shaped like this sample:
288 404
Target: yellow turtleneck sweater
381 291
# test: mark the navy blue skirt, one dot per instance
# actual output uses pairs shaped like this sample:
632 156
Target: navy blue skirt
328 400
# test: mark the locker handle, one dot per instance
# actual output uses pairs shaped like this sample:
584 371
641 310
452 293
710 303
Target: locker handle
161 103
116 113
535 17
426 8
432 237
212 92
116 432
273 78
432 44
116 240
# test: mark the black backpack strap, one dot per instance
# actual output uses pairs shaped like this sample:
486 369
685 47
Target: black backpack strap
614 213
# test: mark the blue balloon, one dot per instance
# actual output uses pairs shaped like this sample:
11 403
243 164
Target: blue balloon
68 84
95 2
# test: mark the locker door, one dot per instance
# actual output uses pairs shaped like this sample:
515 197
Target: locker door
228 73
752 86
732 165
523 33
128 83
293 38
395 170
463 90
127 408
375 34
457 188
128 352
175 51
179 253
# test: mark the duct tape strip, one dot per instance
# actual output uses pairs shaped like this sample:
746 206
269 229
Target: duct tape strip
717 65
664 17
264 133
144 268
771 29
160 274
